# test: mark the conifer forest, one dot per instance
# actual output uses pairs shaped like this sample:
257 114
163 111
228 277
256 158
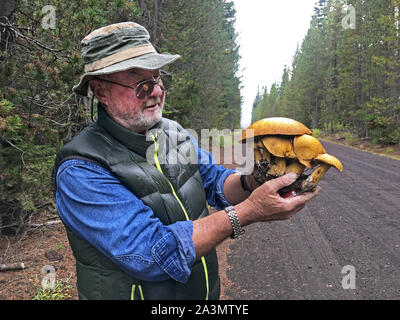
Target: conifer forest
345 74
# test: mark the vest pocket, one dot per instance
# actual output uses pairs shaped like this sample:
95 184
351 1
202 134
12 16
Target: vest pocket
94 283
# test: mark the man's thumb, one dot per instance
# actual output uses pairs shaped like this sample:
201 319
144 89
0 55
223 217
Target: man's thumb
283 181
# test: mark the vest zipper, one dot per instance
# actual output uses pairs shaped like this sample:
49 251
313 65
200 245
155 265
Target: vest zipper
158 166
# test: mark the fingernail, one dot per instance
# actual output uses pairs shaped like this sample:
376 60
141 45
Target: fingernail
292 175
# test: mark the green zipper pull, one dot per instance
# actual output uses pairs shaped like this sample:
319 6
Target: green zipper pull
133 292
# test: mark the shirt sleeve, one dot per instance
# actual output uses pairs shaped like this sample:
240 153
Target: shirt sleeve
99 209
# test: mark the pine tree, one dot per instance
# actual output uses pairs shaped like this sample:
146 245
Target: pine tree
347 77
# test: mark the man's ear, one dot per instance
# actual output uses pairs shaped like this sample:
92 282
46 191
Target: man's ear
99 90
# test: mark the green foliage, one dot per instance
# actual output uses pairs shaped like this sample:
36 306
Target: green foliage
389 150
206 89
26 165
344 79
60 292
5 107
316 132
38 112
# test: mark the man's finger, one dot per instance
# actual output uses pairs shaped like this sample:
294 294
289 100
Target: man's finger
298 202
304 197
284 181
309 195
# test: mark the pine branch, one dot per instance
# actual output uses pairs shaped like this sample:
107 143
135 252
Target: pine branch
15 30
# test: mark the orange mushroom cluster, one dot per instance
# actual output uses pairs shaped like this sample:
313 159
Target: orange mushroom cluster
283 145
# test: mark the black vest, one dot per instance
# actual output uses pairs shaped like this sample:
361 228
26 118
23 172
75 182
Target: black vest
123 152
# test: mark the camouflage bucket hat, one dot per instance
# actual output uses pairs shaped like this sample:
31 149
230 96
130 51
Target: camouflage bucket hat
118 47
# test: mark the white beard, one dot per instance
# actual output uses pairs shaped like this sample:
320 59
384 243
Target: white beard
149 120
139 121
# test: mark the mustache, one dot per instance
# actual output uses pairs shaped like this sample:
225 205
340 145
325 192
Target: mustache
152 102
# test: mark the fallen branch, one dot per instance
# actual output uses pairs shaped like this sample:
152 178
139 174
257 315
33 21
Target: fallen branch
33 225
12 266
45 224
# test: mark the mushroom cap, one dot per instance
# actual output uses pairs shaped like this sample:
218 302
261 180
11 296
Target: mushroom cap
307 147
275 126
331 160
279 147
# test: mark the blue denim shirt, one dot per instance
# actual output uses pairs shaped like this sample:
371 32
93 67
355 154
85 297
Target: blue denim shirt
99 209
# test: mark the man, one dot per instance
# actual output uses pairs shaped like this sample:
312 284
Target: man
139 227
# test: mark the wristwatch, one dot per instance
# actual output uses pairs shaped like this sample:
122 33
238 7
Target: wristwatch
237 228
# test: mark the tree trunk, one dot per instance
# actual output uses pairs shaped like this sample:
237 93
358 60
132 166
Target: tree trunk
145 13
7 8
157 28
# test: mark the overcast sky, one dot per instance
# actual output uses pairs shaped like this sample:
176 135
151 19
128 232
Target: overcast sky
269 32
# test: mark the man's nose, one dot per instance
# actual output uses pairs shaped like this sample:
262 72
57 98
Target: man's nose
157 91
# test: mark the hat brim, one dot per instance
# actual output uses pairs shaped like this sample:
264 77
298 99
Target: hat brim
149 61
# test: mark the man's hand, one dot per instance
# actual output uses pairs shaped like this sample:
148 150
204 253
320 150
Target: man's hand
265 203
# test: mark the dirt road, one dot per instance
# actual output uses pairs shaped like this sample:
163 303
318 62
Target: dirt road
355 220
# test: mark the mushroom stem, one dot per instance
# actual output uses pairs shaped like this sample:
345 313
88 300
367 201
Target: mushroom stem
257 155
278 168
311 182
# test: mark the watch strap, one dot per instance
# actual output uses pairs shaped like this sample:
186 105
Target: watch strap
233 217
